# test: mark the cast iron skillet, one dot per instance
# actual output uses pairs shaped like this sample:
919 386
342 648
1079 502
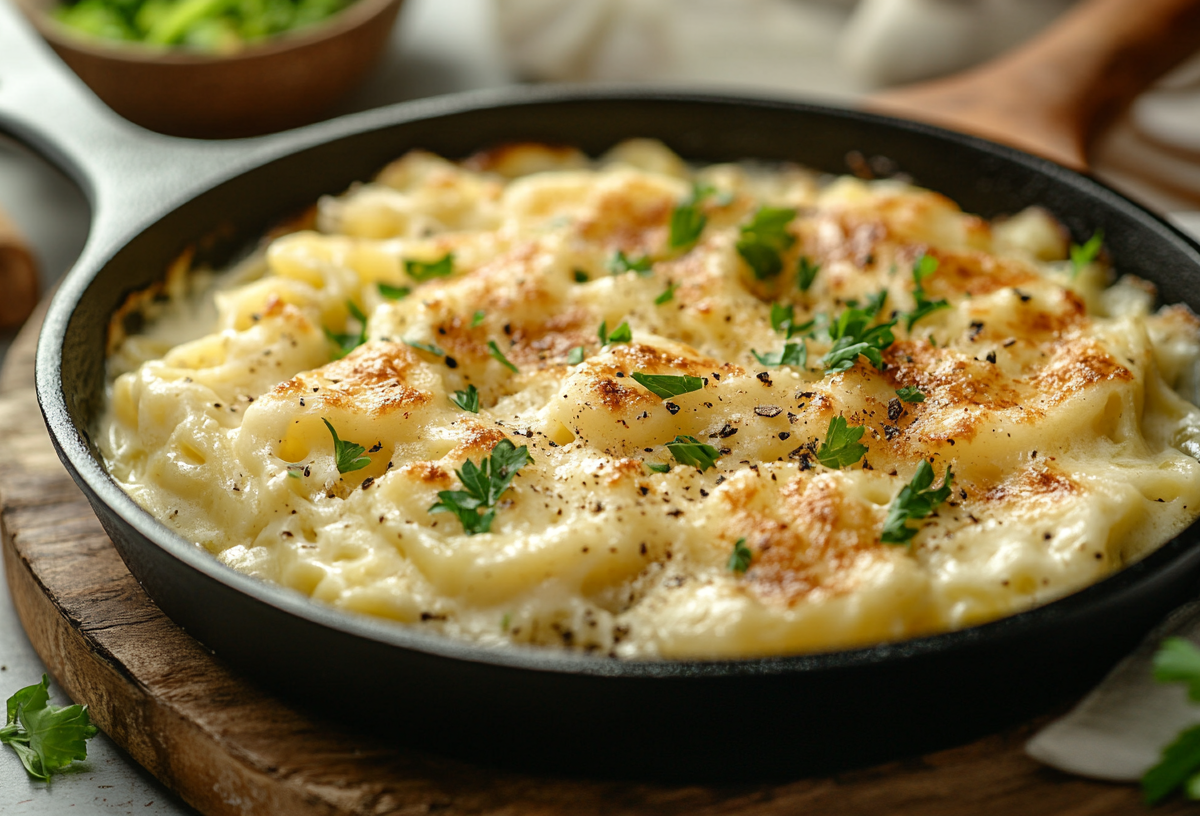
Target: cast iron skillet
153 196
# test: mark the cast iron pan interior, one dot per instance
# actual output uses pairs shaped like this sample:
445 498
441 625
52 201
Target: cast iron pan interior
580 714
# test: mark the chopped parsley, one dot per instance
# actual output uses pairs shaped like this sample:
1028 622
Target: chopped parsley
806 273
483 484
793 354
420 271
688 450
580 276
468 400
764 240
348 456
496 353
393 292
1083 255
1177 661
739 559
620 263
841 447
657 468
47 738
666 386
668 295
925 266
478 317
783 321
915 501
575 355
430 347
347 343
910 393
852 338
687 221
621 334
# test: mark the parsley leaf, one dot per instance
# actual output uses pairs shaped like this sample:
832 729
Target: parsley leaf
495 351
666 386
783 321
580 276
1081 256
1177 660
910 393
621 334
663 468
688 450
914 502
478 317
393 292
46 738
348 456
620 263
347 343
793 354
852 338
483 484
739 559
765 239
687 221
806 273
420 271
668 295
430 347
841 447
925 266
575 355
467 400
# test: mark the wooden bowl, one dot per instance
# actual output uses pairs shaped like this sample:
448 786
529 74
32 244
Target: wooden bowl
284 82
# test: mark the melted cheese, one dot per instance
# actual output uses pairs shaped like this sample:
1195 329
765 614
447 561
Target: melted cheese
1053 398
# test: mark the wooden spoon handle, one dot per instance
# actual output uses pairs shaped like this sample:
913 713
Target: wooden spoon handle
1055 93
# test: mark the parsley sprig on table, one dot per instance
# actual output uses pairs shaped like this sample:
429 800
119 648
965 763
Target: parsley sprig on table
47 738
483 485
764 240
914 502
688 450
841 447
1177 661
422 271
347 455
347 342
925 266
666 386
687 220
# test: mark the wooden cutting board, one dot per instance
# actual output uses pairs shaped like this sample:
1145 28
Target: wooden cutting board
228 747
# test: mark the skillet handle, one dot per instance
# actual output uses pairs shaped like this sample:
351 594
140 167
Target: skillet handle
1053 95
128 174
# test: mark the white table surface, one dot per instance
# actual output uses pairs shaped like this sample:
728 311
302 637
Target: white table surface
439 46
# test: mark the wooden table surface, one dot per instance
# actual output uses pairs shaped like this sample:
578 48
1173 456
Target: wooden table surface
229 748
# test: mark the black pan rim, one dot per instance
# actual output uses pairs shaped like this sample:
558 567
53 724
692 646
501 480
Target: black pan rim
94 479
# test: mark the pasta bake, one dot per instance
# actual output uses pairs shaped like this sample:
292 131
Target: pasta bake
652 410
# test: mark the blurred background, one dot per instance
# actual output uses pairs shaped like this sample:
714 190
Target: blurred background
833 51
